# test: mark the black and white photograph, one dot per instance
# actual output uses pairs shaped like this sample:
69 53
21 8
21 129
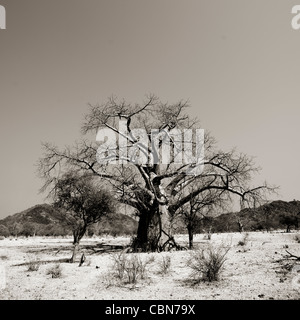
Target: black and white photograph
150 152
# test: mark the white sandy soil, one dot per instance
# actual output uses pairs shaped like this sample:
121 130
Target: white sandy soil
250 272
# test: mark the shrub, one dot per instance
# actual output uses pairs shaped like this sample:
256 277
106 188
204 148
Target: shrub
207 264
55 271
119 261
130 267
143 265
4 232
165 265
33 265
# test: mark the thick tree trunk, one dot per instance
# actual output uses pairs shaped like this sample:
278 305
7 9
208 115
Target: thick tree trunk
141 240
154 231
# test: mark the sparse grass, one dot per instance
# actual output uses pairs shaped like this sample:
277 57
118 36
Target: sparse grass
132 269
33 265
207 264
119 262
165 265
55 271
128 268
143 265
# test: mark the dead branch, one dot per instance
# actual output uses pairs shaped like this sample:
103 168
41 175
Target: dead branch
293 256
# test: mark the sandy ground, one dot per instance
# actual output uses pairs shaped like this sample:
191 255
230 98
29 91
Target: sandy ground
250 272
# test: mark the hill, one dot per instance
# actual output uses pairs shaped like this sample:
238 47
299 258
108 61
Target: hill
271 216
45 220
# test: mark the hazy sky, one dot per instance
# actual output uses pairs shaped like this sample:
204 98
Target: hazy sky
237 61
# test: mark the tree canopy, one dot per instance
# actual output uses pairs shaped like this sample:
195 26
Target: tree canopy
84 202
133 143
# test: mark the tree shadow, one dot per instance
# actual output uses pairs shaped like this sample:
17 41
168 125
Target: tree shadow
61 260
101 248
88 249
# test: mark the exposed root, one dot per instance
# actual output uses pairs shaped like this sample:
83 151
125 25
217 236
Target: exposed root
171 244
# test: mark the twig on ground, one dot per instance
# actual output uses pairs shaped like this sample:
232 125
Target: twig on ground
292 256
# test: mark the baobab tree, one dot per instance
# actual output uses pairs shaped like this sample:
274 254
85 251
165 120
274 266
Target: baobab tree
132 143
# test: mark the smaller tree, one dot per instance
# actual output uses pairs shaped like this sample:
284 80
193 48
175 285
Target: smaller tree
191 218
28 229
84 202
289 220
4 232
15 229
195 214
198 211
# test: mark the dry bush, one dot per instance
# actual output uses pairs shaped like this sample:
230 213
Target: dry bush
132 269
143 266
33 265
55 271
119 262
128 268
165 265
207 264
